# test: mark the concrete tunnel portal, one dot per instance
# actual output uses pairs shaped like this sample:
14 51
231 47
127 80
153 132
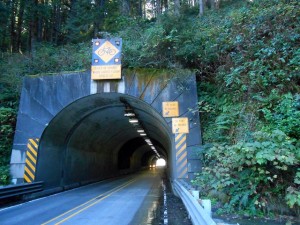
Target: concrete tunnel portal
72 130
92 139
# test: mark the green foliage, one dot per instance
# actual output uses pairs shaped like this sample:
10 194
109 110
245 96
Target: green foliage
79 23
293 194
148 44
4 175
49 59
284 115
7 124
247 58
46 59
254 175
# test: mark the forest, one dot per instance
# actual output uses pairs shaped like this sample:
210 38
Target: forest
245 54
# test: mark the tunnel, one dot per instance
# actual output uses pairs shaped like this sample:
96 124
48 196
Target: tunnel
95 138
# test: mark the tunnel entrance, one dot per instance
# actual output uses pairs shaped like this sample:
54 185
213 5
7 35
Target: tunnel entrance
75 127
92 139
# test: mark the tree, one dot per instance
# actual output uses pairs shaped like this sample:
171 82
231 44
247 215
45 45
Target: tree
176 7
4 20
200 7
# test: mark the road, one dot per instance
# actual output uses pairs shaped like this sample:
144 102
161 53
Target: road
126 200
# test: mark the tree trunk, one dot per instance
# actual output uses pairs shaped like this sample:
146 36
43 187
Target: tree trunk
39 21
47 23
13 38
200 7
177 7
165 4
217 2
56 22
99 17
125 8
210 4
5 26
20 24
140 12
33 26
158 7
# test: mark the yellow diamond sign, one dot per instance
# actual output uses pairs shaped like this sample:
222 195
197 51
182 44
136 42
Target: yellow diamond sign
107 51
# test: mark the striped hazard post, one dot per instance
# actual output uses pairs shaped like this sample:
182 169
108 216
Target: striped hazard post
181 156
30 161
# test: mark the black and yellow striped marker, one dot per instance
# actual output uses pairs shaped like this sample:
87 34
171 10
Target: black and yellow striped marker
31 159
181 156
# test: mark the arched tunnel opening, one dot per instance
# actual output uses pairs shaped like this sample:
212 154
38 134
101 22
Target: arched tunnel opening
93 139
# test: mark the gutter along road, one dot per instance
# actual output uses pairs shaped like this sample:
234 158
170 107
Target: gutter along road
125 200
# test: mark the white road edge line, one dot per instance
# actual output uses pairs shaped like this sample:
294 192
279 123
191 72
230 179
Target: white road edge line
165 204
41 198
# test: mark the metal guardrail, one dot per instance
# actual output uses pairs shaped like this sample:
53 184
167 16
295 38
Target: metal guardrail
198 215
20 189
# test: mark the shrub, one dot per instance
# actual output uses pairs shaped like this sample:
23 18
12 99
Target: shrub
254 175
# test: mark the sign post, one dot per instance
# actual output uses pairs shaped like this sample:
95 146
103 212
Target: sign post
180 127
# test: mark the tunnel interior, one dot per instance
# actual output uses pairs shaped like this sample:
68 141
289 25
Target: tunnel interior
96 138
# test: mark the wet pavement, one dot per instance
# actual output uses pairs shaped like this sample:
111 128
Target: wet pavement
176 212
128 200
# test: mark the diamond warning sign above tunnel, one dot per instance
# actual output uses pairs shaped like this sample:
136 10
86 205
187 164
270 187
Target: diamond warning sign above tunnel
106 59
107 51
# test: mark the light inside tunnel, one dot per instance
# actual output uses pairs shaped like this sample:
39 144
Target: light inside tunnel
129 112
133 121
161 162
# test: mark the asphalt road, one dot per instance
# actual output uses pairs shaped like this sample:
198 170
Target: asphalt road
127 200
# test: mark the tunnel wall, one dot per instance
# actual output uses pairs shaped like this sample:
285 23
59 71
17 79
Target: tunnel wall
43 97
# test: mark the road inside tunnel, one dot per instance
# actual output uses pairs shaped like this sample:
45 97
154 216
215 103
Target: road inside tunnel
102 136
128 199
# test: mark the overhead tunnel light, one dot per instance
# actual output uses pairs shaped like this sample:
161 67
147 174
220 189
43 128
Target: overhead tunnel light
133 120
129 114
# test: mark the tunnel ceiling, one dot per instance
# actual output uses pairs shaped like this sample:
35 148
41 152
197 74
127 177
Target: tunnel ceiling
96 124
99 120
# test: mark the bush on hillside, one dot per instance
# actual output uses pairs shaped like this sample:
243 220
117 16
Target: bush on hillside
254 176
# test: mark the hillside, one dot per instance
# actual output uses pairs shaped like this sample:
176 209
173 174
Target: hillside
247 59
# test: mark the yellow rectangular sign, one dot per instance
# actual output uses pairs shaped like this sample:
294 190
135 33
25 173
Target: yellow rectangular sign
106 72
170 109
180 125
